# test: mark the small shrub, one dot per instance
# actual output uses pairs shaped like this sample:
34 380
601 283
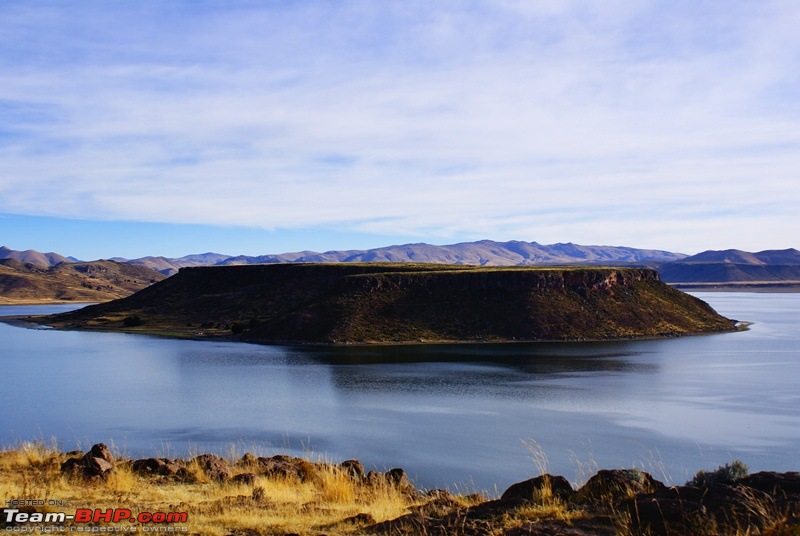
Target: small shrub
237 328
724 474
132 321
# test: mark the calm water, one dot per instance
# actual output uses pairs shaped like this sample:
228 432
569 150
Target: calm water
452 416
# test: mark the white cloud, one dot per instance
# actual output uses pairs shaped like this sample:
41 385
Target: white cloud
627 123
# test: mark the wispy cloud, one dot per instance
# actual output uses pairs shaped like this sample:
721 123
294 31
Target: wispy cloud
651 123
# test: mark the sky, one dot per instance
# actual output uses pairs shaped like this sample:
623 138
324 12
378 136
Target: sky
252 127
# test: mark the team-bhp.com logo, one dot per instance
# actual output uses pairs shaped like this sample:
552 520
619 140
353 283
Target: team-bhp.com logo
14 518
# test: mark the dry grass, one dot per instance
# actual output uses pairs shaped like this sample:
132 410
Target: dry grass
545 506
268 506
325 498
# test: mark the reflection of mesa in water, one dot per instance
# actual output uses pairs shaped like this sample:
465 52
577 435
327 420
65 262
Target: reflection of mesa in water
683 403
404 303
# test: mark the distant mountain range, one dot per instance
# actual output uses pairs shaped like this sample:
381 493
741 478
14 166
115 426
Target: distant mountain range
482 253
706 269
34 257
734 266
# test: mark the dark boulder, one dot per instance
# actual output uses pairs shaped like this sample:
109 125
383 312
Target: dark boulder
101 451
783 487
397 477
73 466
614 485
541 487
161 466
354 468
773 483
278 467
214 467
281 466
478 520
687 510
96 463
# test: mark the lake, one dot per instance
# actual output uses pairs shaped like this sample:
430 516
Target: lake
466 417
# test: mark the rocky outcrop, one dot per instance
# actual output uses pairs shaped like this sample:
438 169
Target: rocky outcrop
161 466
544 485
611 486
354 467
98 462
750 504
618 501
387 303
214 467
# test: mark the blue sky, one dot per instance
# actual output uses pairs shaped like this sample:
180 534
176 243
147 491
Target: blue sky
243 127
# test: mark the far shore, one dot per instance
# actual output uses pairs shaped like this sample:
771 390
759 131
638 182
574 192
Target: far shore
785 287
41 301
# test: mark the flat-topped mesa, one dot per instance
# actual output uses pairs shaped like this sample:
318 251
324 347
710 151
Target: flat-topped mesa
391 303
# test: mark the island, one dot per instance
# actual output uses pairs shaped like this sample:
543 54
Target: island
390 303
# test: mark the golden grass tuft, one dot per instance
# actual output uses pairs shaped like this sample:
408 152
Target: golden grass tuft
270 505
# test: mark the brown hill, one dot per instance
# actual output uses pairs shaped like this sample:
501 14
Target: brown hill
33 257
735 266
95 281
381 303
736 256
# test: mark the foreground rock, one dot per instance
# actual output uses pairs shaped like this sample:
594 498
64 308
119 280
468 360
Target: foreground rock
618 502
752 504
612 502
97 463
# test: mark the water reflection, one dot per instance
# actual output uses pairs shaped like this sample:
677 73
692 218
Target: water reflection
464 369
447 413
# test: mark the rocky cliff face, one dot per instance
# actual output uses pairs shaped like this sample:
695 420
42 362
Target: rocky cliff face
380 303
507 279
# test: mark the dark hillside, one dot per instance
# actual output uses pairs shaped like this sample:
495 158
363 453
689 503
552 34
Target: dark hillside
338 303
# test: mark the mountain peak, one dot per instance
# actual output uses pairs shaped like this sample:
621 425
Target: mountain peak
30 256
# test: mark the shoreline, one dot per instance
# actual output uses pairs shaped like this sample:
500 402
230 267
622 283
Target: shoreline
729 286
23 322
777 287
41 301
